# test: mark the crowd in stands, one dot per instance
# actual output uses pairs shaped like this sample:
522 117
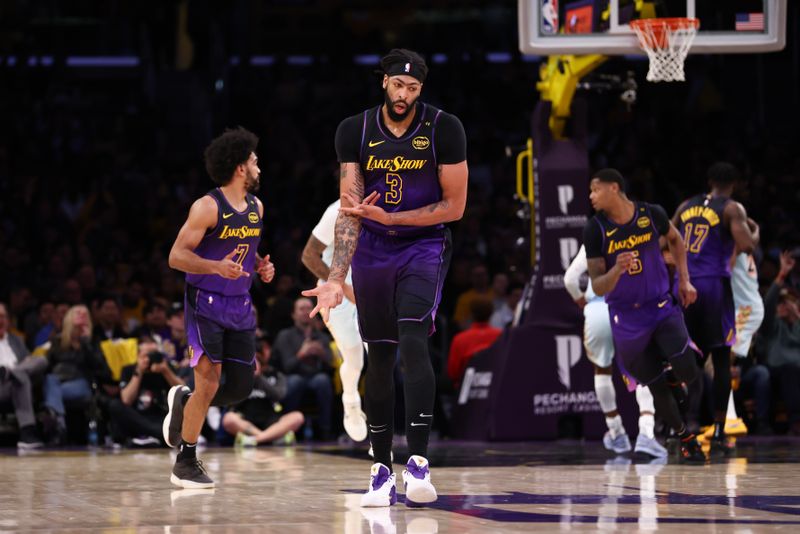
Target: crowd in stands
97 172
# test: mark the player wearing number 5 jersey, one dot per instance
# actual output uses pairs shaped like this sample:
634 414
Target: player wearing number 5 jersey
403 175
625 264
216 248
712 226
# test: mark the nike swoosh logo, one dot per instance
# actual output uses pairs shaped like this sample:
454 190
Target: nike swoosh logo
662 304
227 215
376 143
611 232
419 424
423 415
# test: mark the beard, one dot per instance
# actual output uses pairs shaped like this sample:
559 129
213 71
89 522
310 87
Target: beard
397 117
252 182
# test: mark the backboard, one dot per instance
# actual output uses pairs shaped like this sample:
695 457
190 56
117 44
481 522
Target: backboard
550 27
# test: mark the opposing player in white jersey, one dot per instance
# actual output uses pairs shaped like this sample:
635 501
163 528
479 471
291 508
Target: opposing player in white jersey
599 346
749 309
342 322
747 301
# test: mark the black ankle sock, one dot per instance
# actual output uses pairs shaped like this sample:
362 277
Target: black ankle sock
719 430
187 451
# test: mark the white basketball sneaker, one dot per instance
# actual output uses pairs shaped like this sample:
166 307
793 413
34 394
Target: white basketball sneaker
417 481
382 490
620 444
650 446
355 421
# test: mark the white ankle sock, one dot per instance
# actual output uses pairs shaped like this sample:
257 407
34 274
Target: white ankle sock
647 421
615 425
607 398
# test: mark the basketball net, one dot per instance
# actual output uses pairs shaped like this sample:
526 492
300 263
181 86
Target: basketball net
667 42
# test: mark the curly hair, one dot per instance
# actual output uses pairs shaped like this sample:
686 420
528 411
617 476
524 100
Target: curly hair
226 152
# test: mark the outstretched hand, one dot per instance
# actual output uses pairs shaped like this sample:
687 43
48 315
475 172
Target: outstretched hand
366 209
328 294
227 268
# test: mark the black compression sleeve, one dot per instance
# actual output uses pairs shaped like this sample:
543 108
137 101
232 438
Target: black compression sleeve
660 219
593 239
348 139
450 140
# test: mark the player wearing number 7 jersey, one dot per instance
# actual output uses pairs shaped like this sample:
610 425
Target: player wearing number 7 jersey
216 248
712 225
403 175
625 264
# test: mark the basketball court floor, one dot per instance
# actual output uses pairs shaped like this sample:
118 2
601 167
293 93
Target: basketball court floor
483 487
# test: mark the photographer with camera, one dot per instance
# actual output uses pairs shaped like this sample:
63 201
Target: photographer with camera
138 413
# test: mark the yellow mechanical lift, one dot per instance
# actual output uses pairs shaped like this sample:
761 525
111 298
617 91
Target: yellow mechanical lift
559 79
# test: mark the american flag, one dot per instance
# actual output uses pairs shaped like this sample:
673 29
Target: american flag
749 22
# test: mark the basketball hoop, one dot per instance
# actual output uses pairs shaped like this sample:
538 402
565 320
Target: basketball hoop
667 42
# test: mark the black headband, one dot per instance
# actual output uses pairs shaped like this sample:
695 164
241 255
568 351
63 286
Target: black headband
408 68
400 61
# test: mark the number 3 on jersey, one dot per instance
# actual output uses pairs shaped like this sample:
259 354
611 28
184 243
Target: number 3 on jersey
395 193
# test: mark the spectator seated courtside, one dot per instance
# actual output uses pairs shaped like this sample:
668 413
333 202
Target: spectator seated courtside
303 353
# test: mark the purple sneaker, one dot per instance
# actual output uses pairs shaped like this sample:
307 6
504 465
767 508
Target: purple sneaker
417 480
381 491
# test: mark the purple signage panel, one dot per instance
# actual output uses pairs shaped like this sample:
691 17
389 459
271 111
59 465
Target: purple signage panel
536 378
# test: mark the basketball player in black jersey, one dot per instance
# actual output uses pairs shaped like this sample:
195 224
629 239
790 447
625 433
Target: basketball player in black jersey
403 175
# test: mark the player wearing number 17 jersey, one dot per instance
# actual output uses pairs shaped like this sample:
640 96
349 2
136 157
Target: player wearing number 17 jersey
712 226
625 264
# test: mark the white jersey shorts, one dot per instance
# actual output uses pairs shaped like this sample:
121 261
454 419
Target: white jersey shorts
343 325
747 301
597 338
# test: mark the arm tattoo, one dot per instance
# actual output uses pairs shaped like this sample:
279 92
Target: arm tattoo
442 204
346 239
357 187
348 228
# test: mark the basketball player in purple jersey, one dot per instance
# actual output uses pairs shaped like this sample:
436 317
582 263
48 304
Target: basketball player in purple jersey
216 248
403 175
625 264
712 226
